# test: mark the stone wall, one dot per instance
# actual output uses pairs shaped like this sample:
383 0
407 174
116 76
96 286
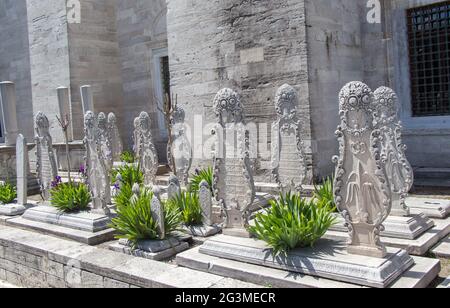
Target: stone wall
49 57
142 34
334 53
94 60
34 260
253 47
15 59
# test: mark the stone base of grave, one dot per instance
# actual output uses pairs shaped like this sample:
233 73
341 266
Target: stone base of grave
328 259
418 247
84 221
83 227
433 208
272 188
397 227
13 209
442 250
203 231
153 250
423 272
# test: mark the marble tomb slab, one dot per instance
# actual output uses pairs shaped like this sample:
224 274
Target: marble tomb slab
328 259
153 250
433 208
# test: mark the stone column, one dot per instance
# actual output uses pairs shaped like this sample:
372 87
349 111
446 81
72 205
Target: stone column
87 99
22 170
8 106
65 109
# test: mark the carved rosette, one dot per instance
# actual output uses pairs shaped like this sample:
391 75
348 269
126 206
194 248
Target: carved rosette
146 150
290 175
114 137
235 194
46 167
398 168
180 149
361 188
96 165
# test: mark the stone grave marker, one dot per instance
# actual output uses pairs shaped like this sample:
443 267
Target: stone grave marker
105 146
157 210
288 158
114 135
174 188
145 149
46 163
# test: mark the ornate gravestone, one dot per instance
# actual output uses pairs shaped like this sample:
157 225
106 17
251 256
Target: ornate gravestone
157 210
288 158
136 136
114 137
398 169
105 146
174 188
22 170
233 180
46 163
145 149
96 166
362 191
205 197
180 150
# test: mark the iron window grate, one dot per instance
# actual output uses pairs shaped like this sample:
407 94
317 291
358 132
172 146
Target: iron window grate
429 54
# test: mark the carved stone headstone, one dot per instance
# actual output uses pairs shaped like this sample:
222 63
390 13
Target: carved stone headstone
87 99
157 210
65 109
398 169
136 135
46 162
180 150
96 168
361 188
8 110
174 188
116 142
146 150
288 158
205 197
105 145
22 170
233 180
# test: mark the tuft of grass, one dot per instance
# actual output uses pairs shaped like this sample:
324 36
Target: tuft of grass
292 222
134 221
127 157
200 175
70 197
7 193
129 175
324 194
189 206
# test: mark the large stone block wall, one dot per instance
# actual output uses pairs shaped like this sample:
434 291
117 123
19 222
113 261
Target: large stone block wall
251 46
94 60
49 57
335 58
142 32
15 59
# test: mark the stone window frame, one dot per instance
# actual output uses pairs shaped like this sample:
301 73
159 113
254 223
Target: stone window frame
157 54
438 125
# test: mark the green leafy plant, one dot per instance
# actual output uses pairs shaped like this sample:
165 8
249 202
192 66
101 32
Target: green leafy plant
129 174
292 222
70 197
200 175
127 157
123 195
7 193
189 205
134 221
324 194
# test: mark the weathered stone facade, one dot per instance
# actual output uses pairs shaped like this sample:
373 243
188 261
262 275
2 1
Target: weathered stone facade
253 47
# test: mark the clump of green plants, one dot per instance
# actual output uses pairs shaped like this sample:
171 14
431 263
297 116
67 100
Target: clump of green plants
128 174
324 194
135 222
70 197
188 204
292 222
7 193
127 157
200 175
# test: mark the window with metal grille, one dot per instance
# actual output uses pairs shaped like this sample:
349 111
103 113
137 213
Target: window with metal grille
429 46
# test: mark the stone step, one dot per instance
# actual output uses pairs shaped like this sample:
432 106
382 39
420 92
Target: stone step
442 250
